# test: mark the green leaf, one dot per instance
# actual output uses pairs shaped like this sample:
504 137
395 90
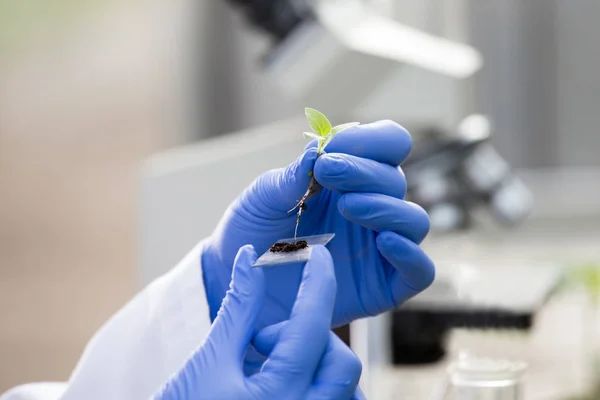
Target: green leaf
342 127
318 122
310 135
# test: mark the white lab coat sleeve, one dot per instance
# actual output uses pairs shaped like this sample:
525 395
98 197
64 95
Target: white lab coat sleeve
142 345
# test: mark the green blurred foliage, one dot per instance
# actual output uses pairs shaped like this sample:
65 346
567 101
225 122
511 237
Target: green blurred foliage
586 276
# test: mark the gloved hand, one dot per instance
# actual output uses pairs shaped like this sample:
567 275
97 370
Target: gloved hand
377 258
306 361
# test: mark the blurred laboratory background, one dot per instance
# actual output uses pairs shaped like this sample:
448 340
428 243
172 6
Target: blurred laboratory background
111 112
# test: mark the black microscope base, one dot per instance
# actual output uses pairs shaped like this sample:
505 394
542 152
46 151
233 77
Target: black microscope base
419 337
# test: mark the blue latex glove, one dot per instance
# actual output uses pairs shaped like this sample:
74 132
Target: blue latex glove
377 258
305 361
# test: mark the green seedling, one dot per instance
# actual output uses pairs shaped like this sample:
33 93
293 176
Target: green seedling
324 133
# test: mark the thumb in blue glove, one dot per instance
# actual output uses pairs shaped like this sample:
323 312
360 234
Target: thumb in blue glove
296 367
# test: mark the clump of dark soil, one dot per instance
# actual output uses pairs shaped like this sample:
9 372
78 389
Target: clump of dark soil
284 247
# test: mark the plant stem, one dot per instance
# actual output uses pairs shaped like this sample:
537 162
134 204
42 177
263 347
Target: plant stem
313 187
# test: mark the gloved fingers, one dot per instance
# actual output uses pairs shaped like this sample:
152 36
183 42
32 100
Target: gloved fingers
382 141
253 361
230 332
303 339
338 373
384 213
280 189
264 341
345 173
234 325
413 269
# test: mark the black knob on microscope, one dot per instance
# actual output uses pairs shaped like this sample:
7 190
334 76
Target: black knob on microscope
276 17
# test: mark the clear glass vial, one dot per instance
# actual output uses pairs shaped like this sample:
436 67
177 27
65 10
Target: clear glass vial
485 379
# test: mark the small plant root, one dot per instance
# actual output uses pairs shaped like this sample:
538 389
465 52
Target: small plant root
313 188
284 247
